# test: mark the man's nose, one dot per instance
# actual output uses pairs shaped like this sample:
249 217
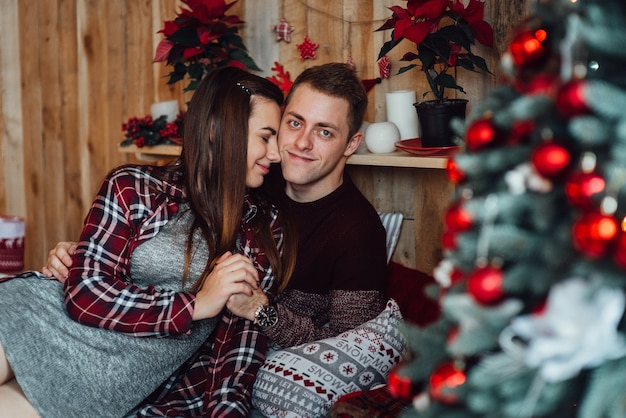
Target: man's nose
304 140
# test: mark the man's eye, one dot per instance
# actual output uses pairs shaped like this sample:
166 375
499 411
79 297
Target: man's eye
295 123
325 133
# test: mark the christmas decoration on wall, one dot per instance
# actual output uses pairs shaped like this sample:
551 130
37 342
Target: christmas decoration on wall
307 49
351 63
282 78
283 30
384 66
532 283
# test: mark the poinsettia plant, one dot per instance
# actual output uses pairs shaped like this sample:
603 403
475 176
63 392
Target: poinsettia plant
147 131
443 32
201 38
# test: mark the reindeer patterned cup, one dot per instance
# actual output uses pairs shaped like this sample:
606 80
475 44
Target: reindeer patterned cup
12 231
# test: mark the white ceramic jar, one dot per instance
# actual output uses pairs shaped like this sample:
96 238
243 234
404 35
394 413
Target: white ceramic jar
381 137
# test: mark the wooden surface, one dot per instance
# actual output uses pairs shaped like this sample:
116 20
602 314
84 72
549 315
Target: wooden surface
397 158
71 72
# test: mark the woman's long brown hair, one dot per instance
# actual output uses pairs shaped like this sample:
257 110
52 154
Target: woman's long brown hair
213 160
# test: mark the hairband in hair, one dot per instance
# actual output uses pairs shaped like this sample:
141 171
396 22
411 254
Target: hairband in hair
245 88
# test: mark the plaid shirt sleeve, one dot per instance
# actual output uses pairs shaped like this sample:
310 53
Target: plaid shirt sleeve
131 206
217 381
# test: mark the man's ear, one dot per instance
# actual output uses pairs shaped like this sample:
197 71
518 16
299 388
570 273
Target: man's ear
353 144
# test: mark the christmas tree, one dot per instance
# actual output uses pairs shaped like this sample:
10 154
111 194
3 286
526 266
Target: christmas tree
533 279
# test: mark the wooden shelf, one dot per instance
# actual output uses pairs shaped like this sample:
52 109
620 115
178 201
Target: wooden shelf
393 159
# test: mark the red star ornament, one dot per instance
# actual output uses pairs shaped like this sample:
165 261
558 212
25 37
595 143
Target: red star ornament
307 49
283 30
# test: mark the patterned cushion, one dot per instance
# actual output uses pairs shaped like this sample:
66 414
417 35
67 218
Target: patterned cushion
305 380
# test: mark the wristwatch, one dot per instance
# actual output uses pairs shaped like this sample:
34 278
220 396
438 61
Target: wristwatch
266 316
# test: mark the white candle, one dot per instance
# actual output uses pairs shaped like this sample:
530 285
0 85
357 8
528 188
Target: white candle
168 108
401 112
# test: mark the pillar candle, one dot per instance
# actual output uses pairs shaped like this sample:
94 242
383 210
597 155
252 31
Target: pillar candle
401 112
168 108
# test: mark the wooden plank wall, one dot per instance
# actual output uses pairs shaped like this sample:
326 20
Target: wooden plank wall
71 72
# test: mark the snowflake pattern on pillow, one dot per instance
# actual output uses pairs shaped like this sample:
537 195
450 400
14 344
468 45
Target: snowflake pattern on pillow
306 380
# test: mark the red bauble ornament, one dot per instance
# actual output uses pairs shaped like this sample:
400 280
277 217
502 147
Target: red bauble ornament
455 175
448 240
444 379
482 133
485 285
581 188
401 386
529 47
619 251
521 131
594 232
539 84
551 160
570 100
457 218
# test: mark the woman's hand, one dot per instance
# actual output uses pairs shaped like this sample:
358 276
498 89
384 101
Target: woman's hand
231 275
245 306
59 261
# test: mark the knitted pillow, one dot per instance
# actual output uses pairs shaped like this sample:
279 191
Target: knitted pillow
305 380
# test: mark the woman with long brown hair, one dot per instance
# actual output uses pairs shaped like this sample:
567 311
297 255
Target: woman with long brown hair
161 252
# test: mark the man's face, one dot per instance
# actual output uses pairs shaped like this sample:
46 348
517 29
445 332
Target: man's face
313 143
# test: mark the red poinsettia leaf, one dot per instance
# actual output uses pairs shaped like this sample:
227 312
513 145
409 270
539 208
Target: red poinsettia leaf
389 24
417 32
483 32
427 9
474 11
232 19
401 13
169 27
162 51
238 64
207 36
401 26
206 11
189 53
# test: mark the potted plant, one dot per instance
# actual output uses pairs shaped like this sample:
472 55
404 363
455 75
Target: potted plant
443 32
202 37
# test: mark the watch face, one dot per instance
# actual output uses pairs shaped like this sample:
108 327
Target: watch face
266 316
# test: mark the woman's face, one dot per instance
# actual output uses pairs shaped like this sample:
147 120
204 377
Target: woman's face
262 140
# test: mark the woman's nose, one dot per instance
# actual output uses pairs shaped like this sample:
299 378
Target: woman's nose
272 151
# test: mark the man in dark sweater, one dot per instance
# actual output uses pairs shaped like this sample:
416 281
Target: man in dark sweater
340 274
